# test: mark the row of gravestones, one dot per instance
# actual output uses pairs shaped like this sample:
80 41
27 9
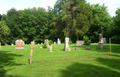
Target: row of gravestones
19 43
66 47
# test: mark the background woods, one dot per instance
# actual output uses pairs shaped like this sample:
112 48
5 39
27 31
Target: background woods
72 18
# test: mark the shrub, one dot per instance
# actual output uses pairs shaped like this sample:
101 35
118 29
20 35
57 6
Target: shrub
50 42
86 40
44 46
70 42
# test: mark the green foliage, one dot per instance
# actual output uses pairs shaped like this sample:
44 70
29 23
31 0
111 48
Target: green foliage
44 46
86 40
115 39
50 42
70 42
4 31
28 23
114 31
101 21
83 18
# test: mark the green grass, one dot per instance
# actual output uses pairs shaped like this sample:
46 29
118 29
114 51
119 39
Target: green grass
75 63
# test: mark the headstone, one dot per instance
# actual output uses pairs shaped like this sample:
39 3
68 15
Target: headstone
58 41
50 49
104 40
41 47
19 45
33 42
87 48
41 43
54 42
38 43
47 43
6 44
77 48
101 43
66 48
79 42
12 44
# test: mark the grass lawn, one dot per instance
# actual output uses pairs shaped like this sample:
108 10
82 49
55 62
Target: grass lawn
75 63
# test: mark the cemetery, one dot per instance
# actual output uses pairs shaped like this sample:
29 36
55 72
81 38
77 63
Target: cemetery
73 39
64 60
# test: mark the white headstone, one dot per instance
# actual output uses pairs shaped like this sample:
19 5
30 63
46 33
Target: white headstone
47 43
12 44
58 41
41 47
66 48
54 42
50 48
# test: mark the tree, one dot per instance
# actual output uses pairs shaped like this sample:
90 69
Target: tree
101 22
83 18
4 31
114 30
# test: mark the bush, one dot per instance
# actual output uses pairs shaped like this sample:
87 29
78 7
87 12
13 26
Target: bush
86 40
44 46
70 42
115 39
50 42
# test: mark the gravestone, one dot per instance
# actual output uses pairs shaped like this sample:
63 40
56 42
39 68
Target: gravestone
38 43
6 44
104 40
19 45
41 43
58 41
12 44
50 49
41 47
33 42
54 42
77 48
66 48
79 42
87 48
46 41
101 43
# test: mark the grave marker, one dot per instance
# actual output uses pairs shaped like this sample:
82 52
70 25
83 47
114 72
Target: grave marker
66 48
101 43
19 45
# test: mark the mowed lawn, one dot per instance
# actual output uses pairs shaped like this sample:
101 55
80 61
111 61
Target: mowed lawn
75 63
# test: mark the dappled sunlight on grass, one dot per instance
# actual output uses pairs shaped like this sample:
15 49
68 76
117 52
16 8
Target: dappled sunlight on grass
75 63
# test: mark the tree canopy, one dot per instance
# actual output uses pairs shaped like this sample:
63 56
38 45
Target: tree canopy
68 18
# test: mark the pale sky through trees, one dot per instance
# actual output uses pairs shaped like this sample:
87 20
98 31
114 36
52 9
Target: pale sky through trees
6 5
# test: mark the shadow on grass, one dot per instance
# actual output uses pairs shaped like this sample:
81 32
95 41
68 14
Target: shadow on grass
88 70
115 48
7 59
112 63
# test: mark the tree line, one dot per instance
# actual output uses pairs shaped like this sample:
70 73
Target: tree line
68 18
